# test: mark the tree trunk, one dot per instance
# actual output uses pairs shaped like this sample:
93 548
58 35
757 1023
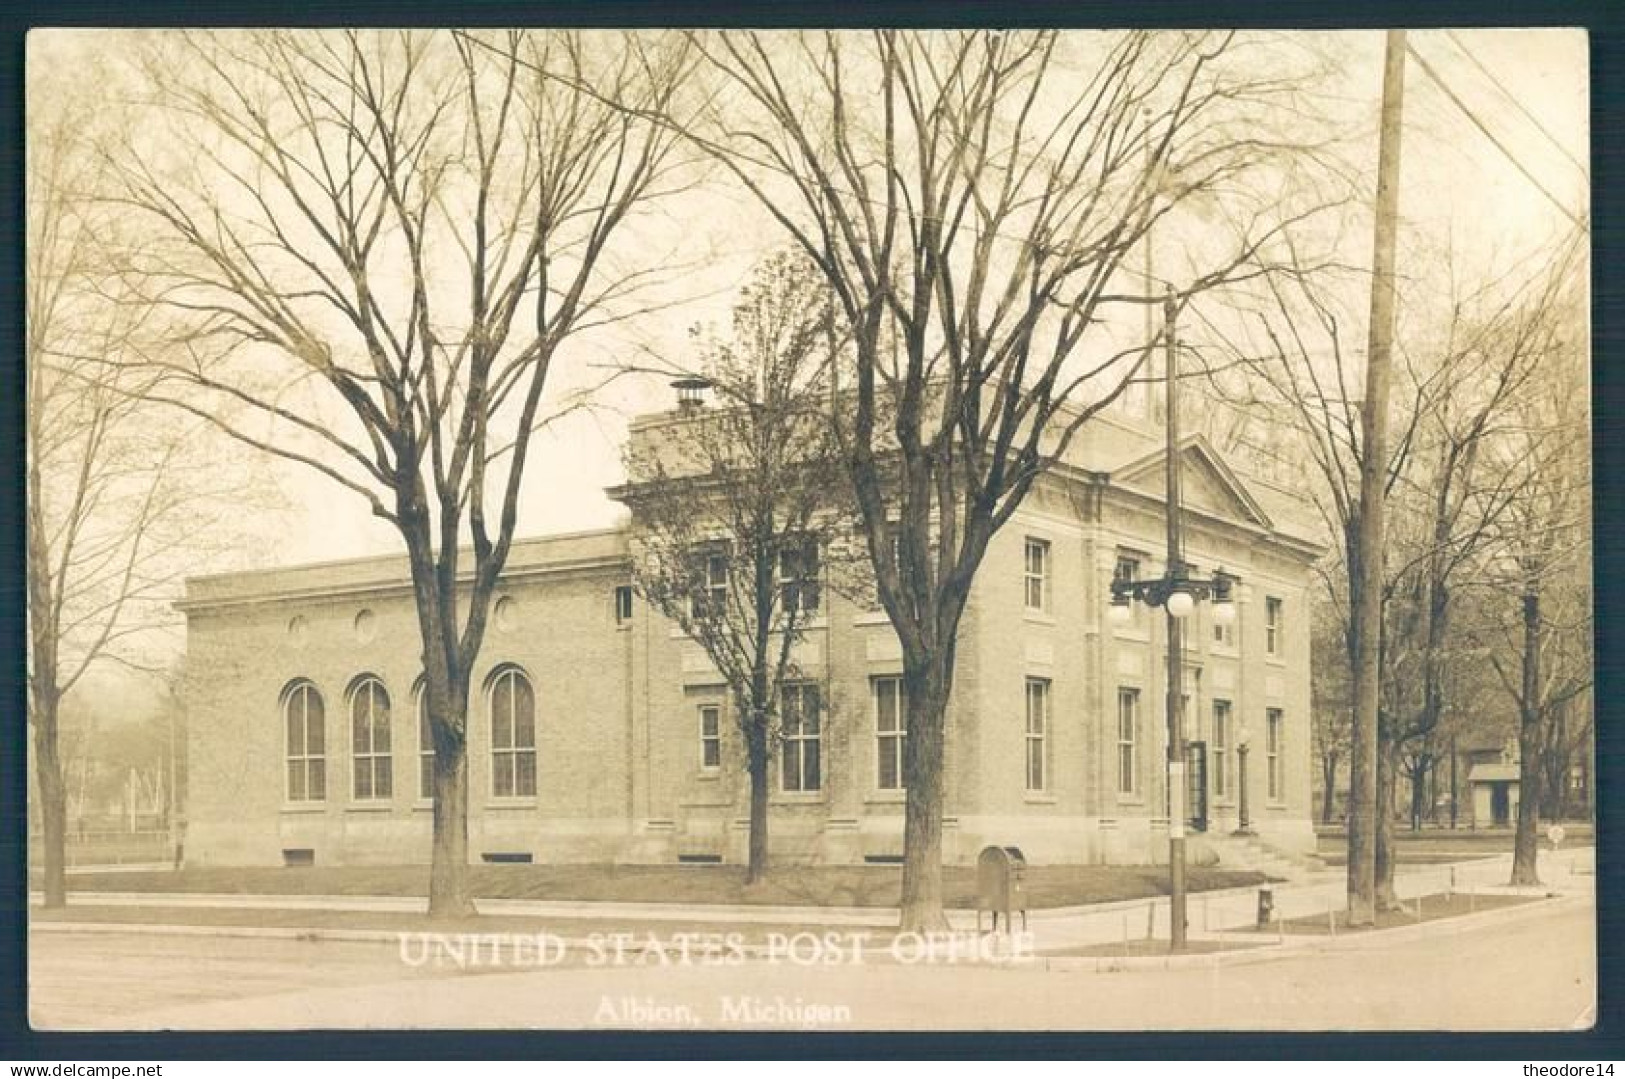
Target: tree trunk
1384 895
450 892
756 750
53 795
1328 791
1525 843
45 696
1419 790
927 686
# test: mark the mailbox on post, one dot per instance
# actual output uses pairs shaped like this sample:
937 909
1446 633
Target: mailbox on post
1000 885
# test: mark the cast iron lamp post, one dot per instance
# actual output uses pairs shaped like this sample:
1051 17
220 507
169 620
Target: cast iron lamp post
1245 825
1177 592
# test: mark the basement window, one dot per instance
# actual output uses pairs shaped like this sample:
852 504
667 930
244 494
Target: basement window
299 856
700 859
506 857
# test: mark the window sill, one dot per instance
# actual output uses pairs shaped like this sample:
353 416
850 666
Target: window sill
884 797
421 805
371 805
1037 617
1038 798
1131 800
623 627
796 798
510 803
1274 659
708 775
304 807
872 618
1129 633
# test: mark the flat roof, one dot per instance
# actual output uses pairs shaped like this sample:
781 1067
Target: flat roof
574 551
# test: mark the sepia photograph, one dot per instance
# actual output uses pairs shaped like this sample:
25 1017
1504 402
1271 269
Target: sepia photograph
746 530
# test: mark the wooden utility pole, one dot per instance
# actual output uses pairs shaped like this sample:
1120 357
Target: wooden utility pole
1367 572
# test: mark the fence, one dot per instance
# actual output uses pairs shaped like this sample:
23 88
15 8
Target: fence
86 848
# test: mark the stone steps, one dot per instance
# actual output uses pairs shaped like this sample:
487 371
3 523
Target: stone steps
1252 852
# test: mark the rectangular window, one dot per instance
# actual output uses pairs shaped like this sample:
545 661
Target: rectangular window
623 604
1220 762
710 737
1037 574
800 751
1272 752
1272 625
425 750
891 727
1037 730
1128 740
1128 569
709 591
800 590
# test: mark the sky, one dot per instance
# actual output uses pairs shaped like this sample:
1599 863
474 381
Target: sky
1457 188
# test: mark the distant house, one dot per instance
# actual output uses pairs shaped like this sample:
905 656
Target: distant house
1492 785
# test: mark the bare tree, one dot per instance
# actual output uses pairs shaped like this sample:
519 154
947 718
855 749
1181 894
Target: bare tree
973 200
1460 388
1332 695
375 246
738 510
119 505
1543 653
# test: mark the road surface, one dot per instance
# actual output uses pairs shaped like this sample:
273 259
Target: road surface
1533 972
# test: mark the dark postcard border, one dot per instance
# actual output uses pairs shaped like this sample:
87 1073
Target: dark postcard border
1607 26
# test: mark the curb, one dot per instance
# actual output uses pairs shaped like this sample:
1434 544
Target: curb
1302 945
881 955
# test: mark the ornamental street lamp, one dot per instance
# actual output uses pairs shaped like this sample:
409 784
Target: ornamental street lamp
1177 592
1244 825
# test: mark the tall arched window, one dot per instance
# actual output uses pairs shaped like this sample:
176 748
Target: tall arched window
306 741
369 739
513 735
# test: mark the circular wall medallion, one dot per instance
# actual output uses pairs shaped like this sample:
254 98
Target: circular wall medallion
366 626
505 614
298 630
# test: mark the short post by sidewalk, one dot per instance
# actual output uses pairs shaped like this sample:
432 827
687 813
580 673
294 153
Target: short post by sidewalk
1244 825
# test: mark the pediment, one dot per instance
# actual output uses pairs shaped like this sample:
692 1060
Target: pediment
1207 484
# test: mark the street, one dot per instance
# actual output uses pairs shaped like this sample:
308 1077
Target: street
1531 972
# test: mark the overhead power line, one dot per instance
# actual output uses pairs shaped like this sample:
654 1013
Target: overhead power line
1531 117
1438 80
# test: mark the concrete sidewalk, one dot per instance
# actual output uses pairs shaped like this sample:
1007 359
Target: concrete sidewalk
1210 914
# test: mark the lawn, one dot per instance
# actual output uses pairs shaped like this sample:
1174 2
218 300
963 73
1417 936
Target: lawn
1487 840
809 886
1432 846
1427 908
